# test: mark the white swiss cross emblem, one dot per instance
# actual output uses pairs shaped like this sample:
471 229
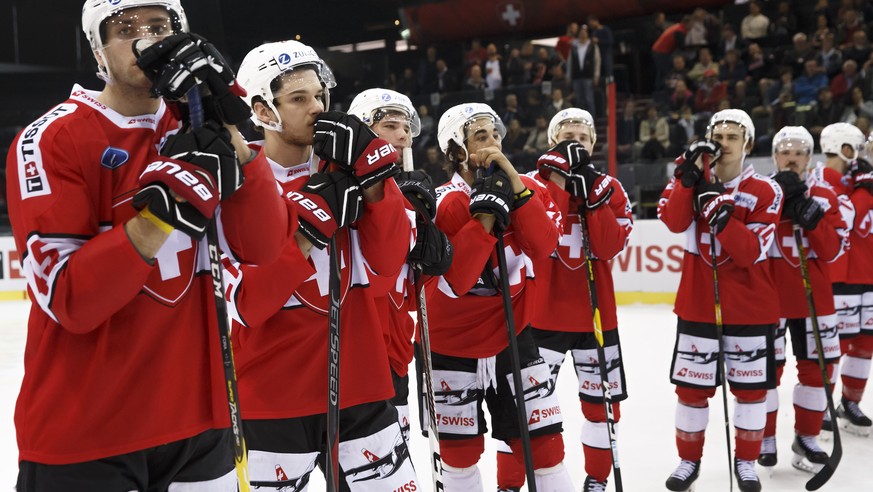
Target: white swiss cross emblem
706 253
512 14
30 169
569 249
176 265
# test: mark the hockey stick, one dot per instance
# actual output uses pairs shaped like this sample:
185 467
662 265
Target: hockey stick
719 331
425 361
333 370
830 467
601 352
240 460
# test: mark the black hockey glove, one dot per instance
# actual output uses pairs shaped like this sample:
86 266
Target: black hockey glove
179 62
592 186
798 208
713 204
345 140
493 195
433 251
325 203
180 192
418 189
686 168
791 184
862 174
210 140
565 158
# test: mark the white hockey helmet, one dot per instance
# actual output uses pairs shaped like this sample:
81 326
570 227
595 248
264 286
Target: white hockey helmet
454 123
373 105
95 13
737 116
267 62
791 137
835 135
571 116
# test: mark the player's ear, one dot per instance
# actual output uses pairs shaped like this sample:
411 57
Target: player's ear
263 113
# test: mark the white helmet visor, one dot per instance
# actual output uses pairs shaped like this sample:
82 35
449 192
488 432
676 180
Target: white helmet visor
483 124
792 145
399 115
152 23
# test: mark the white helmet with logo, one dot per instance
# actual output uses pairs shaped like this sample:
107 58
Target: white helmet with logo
737 116
571 115
835 135
791 137
267 62
454 122
372 105
95 13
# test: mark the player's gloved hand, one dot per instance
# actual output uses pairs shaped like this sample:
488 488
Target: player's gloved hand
714 204
432 252
803 211
418 189
592 186
211 140
493 195
861 172
686 168
179 62
565 158
791 184
325 203
180 192
345 140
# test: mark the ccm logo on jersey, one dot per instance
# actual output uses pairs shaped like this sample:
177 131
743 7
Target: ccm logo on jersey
379 153
309 205
185 177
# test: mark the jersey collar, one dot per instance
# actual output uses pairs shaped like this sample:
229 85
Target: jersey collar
146 121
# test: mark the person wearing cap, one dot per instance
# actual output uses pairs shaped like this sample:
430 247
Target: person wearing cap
337 175
739 209
468 322
710 92
812 210
123 383
563 320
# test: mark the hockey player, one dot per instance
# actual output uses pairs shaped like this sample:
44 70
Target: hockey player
282 308
392 117
563 320
742 208
124 382
851 179
811 206
471 362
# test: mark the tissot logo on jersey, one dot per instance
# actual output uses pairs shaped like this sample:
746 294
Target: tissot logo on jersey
31 175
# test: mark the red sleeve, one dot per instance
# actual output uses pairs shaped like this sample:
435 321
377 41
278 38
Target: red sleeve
472 245
72 269
829 238
536 223
747 242
675 206
385 232
260 240
863 202
610 226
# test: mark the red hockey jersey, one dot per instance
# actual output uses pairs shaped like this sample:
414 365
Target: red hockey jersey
121 355
281 310
858 266
745 280
465 309
563 301
823 245
839 269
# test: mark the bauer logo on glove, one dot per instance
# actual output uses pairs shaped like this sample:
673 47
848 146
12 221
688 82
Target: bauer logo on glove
382 152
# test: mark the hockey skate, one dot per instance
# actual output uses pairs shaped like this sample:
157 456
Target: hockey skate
683 477
767 458
853 419
827 429
808 456
592 485
747 477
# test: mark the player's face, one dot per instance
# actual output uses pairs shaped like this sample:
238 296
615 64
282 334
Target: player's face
790 156
395 129
578 132
122 30
732 138
482 133
299 104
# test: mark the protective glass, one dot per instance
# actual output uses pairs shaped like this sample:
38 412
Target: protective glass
150 23
397 114
483 123
793 144
575 127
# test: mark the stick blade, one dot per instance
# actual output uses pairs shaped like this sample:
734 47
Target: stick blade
825 474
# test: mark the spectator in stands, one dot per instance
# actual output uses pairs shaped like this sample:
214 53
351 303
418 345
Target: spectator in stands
537 141
433 165
759 65
542 66
729 41
445 79
754 26
704 29
823 8
562 47
427 72
773 89
533 106
657 27
671 40
427 133
584 70
493 68
687 124
679 72
850 23
602 36
516 73
863 124
797 55
704 63
408 84
474 57
741 99
626 131
475 82
806 86
680 97
843 82
511 110
556 104
857 107
514 141
654 136
559 79
709 94
829 57
821 30
528 58
859 49
784 23
825 112
732 69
